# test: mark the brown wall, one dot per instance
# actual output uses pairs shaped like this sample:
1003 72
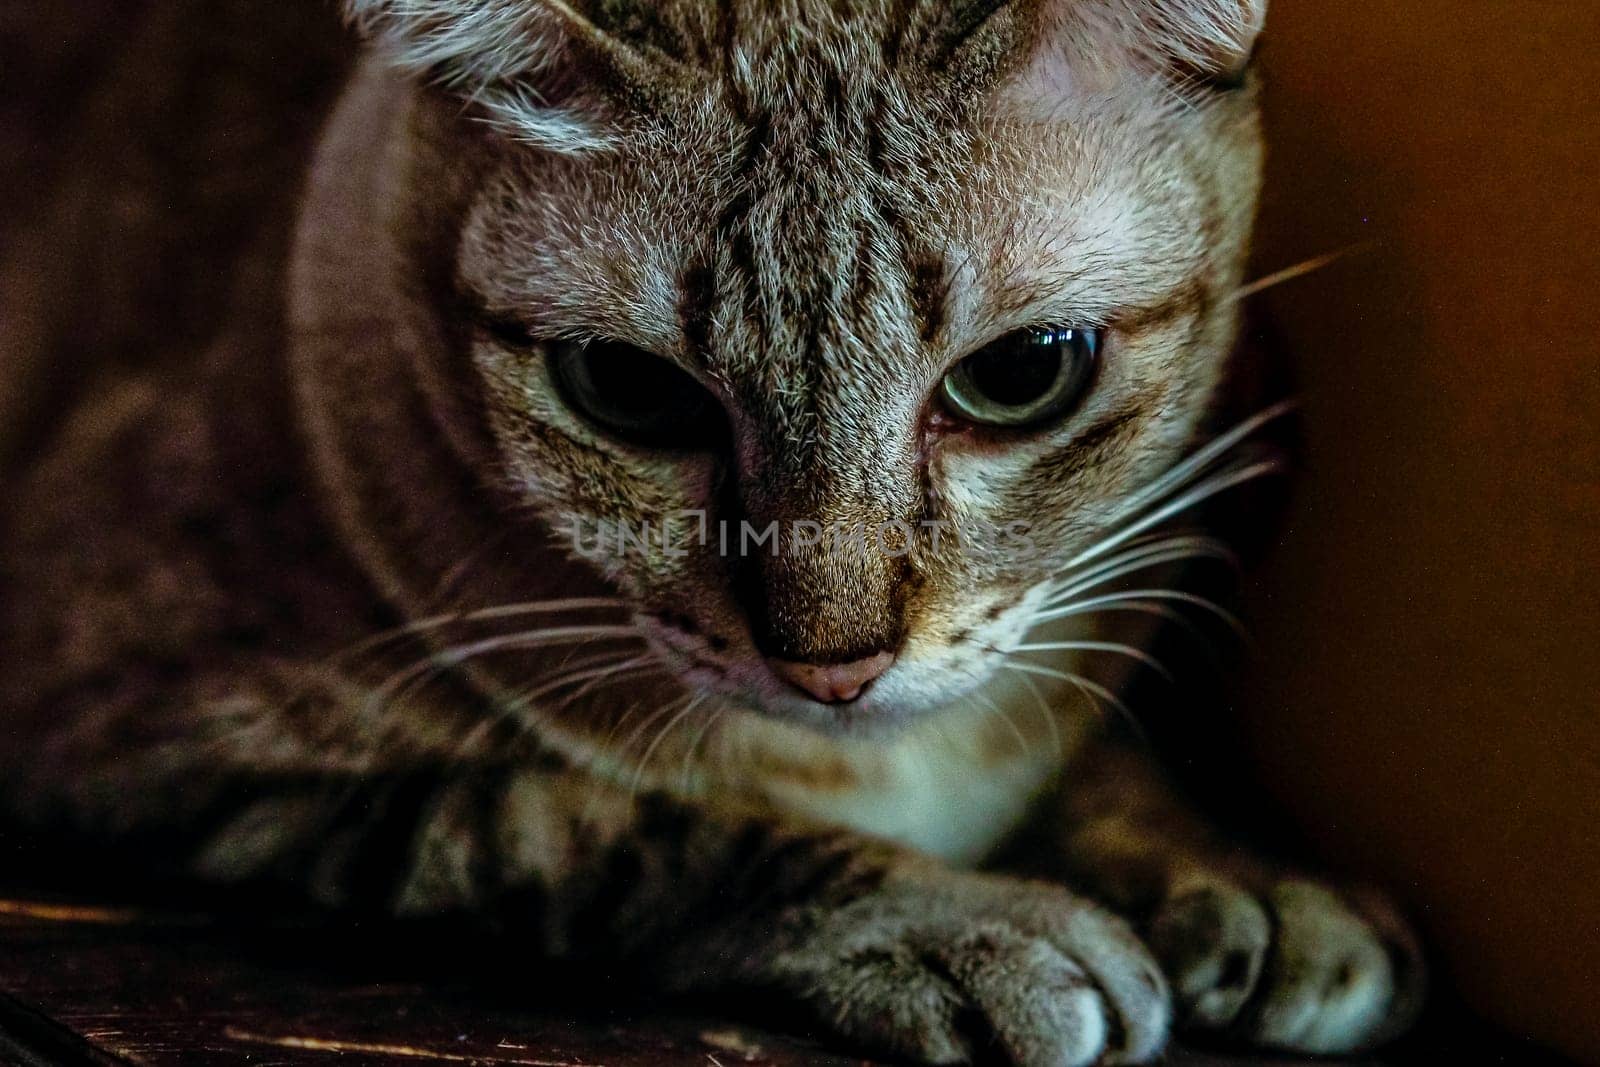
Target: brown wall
1428 707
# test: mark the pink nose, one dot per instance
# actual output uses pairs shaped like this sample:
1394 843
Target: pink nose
836 683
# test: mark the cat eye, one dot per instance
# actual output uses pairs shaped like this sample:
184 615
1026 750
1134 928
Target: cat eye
1026 378
635 395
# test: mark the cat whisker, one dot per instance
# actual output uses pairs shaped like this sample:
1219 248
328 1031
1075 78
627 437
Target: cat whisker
1086 686
1094 691
597 681
592 671
586 674
1138 607
644 760
1133 561
1170 615
423 670
1147 600
694 745
1196 463
601 749
1299 270
1024 746
1057 745
477 615
650 720
630 674
1187 500
1110 647
461 749
1141 549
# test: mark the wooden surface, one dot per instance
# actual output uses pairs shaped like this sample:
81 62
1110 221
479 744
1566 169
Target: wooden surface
160 990
173 990
93 985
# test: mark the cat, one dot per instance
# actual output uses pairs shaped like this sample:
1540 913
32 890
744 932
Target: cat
650 478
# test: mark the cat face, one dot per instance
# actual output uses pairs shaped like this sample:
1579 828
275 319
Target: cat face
829 339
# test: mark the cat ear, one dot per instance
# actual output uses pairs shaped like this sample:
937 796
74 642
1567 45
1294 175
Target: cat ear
1212 40
1208 42
536 69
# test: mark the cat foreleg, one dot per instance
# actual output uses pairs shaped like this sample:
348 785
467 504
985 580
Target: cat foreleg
883 947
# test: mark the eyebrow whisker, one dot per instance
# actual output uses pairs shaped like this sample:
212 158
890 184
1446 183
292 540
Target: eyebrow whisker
1299 270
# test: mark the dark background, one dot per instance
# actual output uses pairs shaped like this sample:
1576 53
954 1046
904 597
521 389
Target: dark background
1425 702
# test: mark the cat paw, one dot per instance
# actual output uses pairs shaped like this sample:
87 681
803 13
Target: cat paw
959 968
1298 967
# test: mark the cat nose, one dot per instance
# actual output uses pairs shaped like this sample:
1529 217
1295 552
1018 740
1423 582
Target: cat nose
834 683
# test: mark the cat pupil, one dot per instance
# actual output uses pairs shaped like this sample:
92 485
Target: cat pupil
1026 378
1016 373
635 394
634 382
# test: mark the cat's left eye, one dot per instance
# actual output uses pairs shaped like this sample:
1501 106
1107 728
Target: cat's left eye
1026 378
635 395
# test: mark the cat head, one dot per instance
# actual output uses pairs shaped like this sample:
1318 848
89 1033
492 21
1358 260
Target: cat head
829 334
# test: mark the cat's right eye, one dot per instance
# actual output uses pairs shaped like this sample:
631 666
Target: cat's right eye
635 395
1026 378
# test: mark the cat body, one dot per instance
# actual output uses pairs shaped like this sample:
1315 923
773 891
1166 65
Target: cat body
301 598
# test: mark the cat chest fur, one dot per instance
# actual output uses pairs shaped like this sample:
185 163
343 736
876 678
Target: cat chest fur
956 791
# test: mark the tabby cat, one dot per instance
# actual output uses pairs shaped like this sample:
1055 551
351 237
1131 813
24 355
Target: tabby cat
652 479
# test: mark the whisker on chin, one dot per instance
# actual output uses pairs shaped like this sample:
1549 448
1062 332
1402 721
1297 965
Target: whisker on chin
461 747
650 750
1158 610
699 738
1158 603
601 749
1130 547
1094 691
635 673
1024 746
458 655
398 688
1057 744
650 720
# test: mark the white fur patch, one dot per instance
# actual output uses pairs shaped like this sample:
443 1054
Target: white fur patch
943 788
934 798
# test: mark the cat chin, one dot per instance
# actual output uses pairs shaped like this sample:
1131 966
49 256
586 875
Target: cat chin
867 720
845 722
